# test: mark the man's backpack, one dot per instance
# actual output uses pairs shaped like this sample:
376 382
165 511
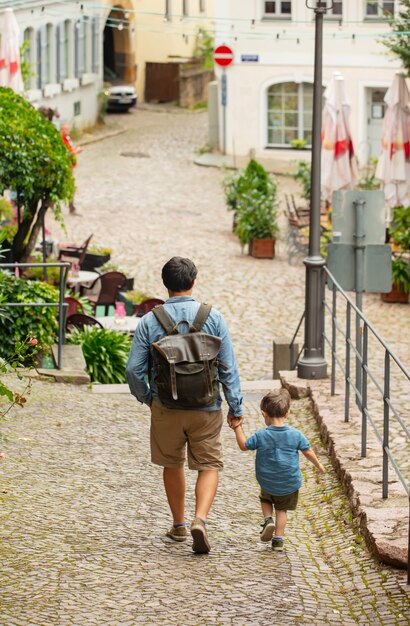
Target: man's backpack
186 363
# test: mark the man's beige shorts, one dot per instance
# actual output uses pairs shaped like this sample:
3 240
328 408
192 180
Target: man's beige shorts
173 429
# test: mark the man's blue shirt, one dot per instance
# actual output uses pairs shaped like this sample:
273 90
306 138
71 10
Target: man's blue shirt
150 330
277 458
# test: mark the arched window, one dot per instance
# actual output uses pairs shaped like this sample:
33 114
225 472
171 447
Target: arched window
290 108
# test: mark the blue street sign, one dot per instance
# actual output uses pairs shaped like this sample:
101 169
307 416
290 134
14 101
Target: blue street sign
250 58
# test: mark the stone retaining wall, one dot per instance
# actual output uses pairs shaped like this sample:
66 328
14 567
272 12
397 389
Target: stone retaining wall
383 523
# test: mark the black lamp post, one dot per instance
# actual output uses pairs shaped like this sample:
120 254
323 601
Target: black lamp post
312 364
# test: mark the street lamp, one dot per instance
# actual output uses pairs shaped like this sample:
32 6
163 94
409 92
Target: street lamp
312 364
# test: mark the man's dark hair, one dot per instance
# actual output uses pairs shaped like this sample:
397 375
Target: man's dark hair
179 274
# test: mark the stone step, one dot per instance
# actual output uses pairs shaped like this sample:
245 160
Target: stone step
73 368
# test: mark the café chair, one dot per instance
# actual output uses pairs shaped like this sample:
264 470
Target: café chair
80 320
72 253
109 283
74 306
146 306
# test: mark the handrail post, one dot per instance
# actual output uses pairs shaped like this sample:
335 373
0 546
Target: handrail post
347 375
359 237
386 424
333 370
364 390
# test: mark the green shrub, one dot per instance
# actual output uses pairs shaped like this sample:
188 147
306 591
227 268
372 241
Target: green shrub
35 163
401 274
17 323
303 176
252 178
105 352
251 194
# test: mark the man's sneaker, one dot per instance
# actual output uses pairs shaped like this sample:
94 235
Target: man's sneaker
199 534
268 529
179 533
277 544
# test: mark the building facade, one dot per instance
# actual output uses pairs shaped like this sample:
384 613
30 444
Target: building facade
270 82
72 47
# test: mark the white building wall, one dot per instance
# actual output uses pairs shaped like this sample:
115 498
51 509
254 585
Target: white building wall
75 97
285 51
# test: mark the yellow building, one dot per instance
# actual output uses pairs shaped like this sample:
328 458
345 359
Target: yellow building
146 41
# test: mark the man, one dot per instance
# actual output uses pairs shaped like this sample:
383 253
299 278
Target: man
174 429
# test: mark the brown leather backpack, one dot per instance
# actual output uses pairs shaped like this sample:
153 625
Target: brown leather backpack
186 364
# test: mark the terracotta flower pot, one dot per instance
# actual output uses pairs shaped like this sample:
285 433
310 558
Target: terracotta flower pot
395 296
262 248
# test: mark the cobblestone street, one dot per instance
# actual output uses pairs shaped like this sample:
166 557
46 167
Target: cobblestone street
83 511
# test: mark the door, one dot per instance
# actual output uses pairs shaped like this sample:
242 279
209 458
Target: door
375 113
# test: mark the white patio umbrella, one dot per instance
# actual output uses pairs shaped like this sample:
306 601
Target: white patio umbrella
393 167
338 164
10 69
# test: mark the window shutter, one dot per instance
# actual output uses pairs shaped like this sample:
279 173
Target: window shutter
95 30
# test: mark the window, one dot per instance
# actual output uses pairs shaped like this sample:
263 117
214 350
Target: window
95 38
40 81
29 54
185 8
290 109
68 48
48 55
79 49
336 10
202 6
379 8
278 9
87 46
167 15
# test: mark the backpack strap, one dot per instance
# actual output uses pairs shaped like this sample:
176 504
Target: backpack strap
201 317
164 319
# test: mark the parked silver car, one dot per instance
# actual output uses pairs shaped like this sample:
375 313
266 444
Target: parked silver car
120 96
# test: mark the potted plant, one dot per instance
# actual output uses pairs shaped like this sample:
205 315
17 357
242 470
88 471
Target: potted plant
400 240
298 144
95 257
251 178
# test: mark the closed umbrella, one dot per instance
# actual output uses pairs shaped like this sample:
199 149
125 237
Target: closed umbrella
393 167
10 69
338 162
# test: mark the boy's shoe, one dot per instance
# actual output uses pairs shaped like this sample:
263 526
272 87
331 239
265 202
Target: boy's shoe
199 534
277 544
268 530
179 533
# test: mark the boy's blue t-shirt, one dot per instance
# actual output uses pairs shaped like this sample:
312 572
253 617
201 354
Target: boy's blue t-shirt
277 458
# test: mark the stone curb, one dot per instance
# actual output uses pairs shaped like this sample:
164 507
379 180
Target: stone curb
383 523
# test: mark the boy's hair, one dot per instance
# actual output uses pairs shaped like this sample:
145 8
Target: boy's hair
179 274
276 403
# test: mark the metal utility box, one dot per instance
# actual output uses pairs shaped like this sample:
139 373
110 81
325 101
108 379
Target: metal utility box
358 258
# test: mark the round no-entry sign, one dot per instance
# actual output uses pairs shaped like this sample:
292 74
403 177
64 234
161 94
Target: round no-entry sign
223 55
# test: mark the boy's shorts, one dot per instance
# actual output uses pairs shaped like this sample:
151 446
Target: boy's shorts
281 503
173 429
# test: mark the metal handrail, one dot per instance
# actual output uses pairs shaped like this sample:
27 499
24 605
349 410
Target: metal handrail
361 389
62 306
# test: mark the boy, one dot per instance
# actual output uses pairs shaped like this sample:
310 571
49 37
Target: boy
277 463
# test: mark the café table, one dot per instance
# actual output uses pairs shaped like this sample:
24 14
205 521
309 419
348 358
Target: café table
81 279
125 323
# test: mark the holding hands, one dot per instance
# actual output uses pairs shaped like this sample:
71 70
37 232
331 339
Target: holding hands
234 422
